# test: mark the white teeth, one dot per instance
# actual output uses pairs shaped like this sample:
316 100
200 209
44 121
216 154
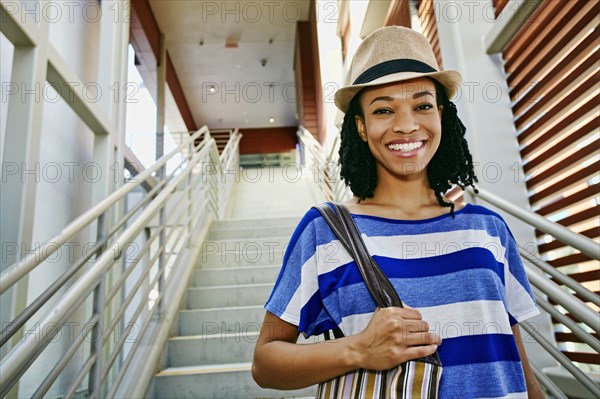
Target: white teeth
405 147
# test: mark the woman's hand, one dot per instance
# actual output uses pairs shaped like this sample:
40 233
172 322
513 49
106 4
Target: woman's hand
393 336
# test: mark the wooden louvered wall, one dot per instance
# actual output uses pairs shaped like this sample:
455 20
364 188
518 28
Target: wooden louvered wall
552 71
425 10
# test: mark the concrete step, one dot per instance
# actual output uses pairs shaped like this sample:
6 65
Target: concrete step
290 222
236 275
229 347
250 232
217 381
228 295
219 320
214 348
242 252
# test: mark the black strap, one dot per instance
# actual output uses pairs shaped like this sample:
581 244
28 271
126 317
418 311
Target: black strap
344 227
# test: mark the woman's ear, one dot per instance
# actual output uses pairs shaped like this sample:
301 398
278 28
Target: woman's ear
440 110
360 126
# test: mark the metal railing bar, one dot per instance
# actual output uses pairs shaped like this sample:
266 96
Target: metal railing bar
41 344
585 245
64 361
85 369
119 345
20 268
579 332
547 383
561 358
579 309
33 307
135 288
562 278
25 350
129 358
119 283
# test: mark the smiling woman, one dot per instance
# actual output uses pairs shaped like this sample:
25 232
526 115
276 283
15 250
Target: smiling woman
402 147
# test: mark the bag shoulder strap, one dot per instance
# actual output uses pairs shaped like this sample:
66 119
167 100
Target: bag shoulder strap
344 227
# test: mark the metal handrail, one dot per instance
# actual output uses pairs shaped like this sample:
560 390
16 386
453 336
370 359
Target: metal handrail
561 278
578 241
19 269
325 169
102 359
561 358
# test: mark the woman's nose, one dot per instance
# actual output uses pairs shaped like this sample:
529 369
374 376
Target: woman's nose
405 123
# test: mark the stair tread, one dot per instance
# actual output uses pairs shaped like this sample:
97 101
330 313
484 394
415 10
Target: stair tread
222 308
206 368
212 336
234 268
220 287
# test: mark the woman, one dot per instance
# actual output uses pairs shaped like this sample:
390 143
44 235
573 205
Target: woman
455 266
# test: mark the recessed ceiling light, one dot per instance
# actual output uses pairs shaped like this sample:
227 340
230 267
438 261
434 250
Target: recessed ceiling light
271 120
212 88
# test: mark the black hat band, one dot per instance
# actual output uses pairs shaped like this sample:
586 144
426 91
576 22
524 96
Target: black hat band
392 66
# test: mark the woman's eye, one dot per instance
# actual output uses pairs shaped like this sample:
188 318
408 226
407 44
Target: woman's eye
424 107
382 111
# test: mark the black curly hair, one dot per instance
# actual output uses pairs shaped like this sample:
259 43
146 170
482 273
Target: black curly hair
451 164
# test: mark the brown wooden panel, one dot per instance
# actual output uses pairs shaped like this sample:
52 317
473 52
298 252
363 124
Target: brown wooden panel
563 203
576 177
522 40
589 213
427 17
570 337
555 80
398 14
538 35
583 277
145 17
499 6
582 357
571 260
565 164
268 140
555 244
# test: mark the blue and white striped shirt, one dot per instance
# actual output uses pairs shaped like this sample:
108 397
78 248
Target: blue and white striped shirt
464 274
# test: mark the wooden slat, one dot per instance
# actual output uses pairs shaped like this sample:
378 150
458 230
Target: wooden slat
567 139
554 103
576 177
583 277
570 337
535 35
586 214
499 5
583 194
555 244
563 165
552 44
582 357
572 260
555 80
522 40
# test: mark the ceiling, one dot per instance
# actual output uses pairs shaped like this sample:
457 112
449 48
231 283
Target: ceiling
243 86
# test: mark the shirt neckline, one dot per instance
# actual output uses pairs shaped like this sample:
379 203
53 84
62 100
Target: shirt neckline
411 221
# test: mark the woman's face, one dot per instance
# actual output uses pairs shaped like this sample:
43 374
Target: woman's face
402 126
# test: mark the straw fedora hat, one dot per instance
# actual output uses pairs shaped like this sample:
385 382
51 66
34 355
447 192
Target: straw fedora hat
394 54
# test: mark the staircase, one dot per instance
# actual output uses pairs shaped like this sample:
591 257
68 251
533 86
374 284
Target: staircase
210 353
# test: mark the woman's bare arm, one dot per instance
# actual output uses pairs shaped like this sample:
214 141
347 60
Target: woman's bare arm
393 336
534 390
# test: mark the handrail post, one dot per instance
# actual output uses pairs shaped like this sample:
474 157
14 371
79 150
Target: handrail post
95 376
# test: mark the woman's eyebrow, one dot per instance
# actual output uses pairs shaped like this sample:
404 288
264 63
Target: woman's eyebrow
382 98
415 96
422 94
